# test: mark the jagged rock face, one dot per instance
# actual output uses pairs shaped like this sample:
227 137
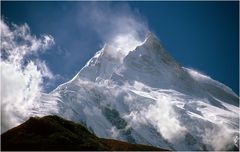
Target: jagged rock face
147 97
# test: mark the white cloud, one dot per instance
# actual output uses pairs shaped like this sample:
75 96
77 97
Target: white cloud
45 71
21 82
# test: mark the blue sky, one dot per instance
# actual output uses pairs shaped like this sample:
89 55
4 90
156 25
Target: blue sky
200 35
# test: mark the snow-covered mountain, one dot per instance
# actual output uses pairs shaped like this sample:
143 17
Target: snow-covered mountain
146 97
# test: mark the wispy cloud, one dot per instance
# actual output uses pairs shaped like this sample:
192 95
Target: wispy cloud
21 78
118 25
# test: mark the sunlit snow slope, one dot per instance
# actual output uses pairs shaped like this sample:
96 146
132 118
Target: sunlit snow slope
146 97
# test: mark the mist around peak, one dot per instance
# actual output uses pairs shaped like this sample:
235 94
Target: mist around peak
131 79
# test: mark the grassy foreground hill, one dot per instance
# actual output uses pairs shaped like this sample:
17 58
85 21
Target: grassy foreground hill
56 133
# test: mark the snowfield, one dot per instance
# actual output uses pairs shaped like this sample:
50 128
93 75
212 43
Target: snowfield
144 96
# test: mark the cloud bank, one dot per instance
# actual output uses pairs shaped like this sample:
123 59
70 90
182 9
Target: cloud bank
21 77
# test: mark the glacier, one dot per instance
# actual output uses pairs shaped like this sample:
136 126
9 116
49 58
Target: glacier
144 96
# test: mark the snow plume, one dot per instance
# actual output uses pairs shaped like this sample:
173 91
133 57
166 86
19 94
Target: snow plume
201 77
118 25
160 114
21 77
219 138
163 117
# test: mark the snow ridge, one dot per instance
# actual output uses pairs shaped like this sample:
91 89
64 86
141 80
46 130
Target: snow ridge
146 97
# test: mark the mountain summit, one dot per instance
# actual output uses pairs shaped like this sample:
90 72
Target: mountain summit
144 96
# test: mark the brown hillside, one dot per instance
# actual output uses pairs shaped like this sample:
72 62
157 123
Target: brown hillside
55 133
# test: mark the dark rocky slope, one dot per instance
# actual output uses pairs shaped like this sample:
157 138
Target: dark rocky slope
55 133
